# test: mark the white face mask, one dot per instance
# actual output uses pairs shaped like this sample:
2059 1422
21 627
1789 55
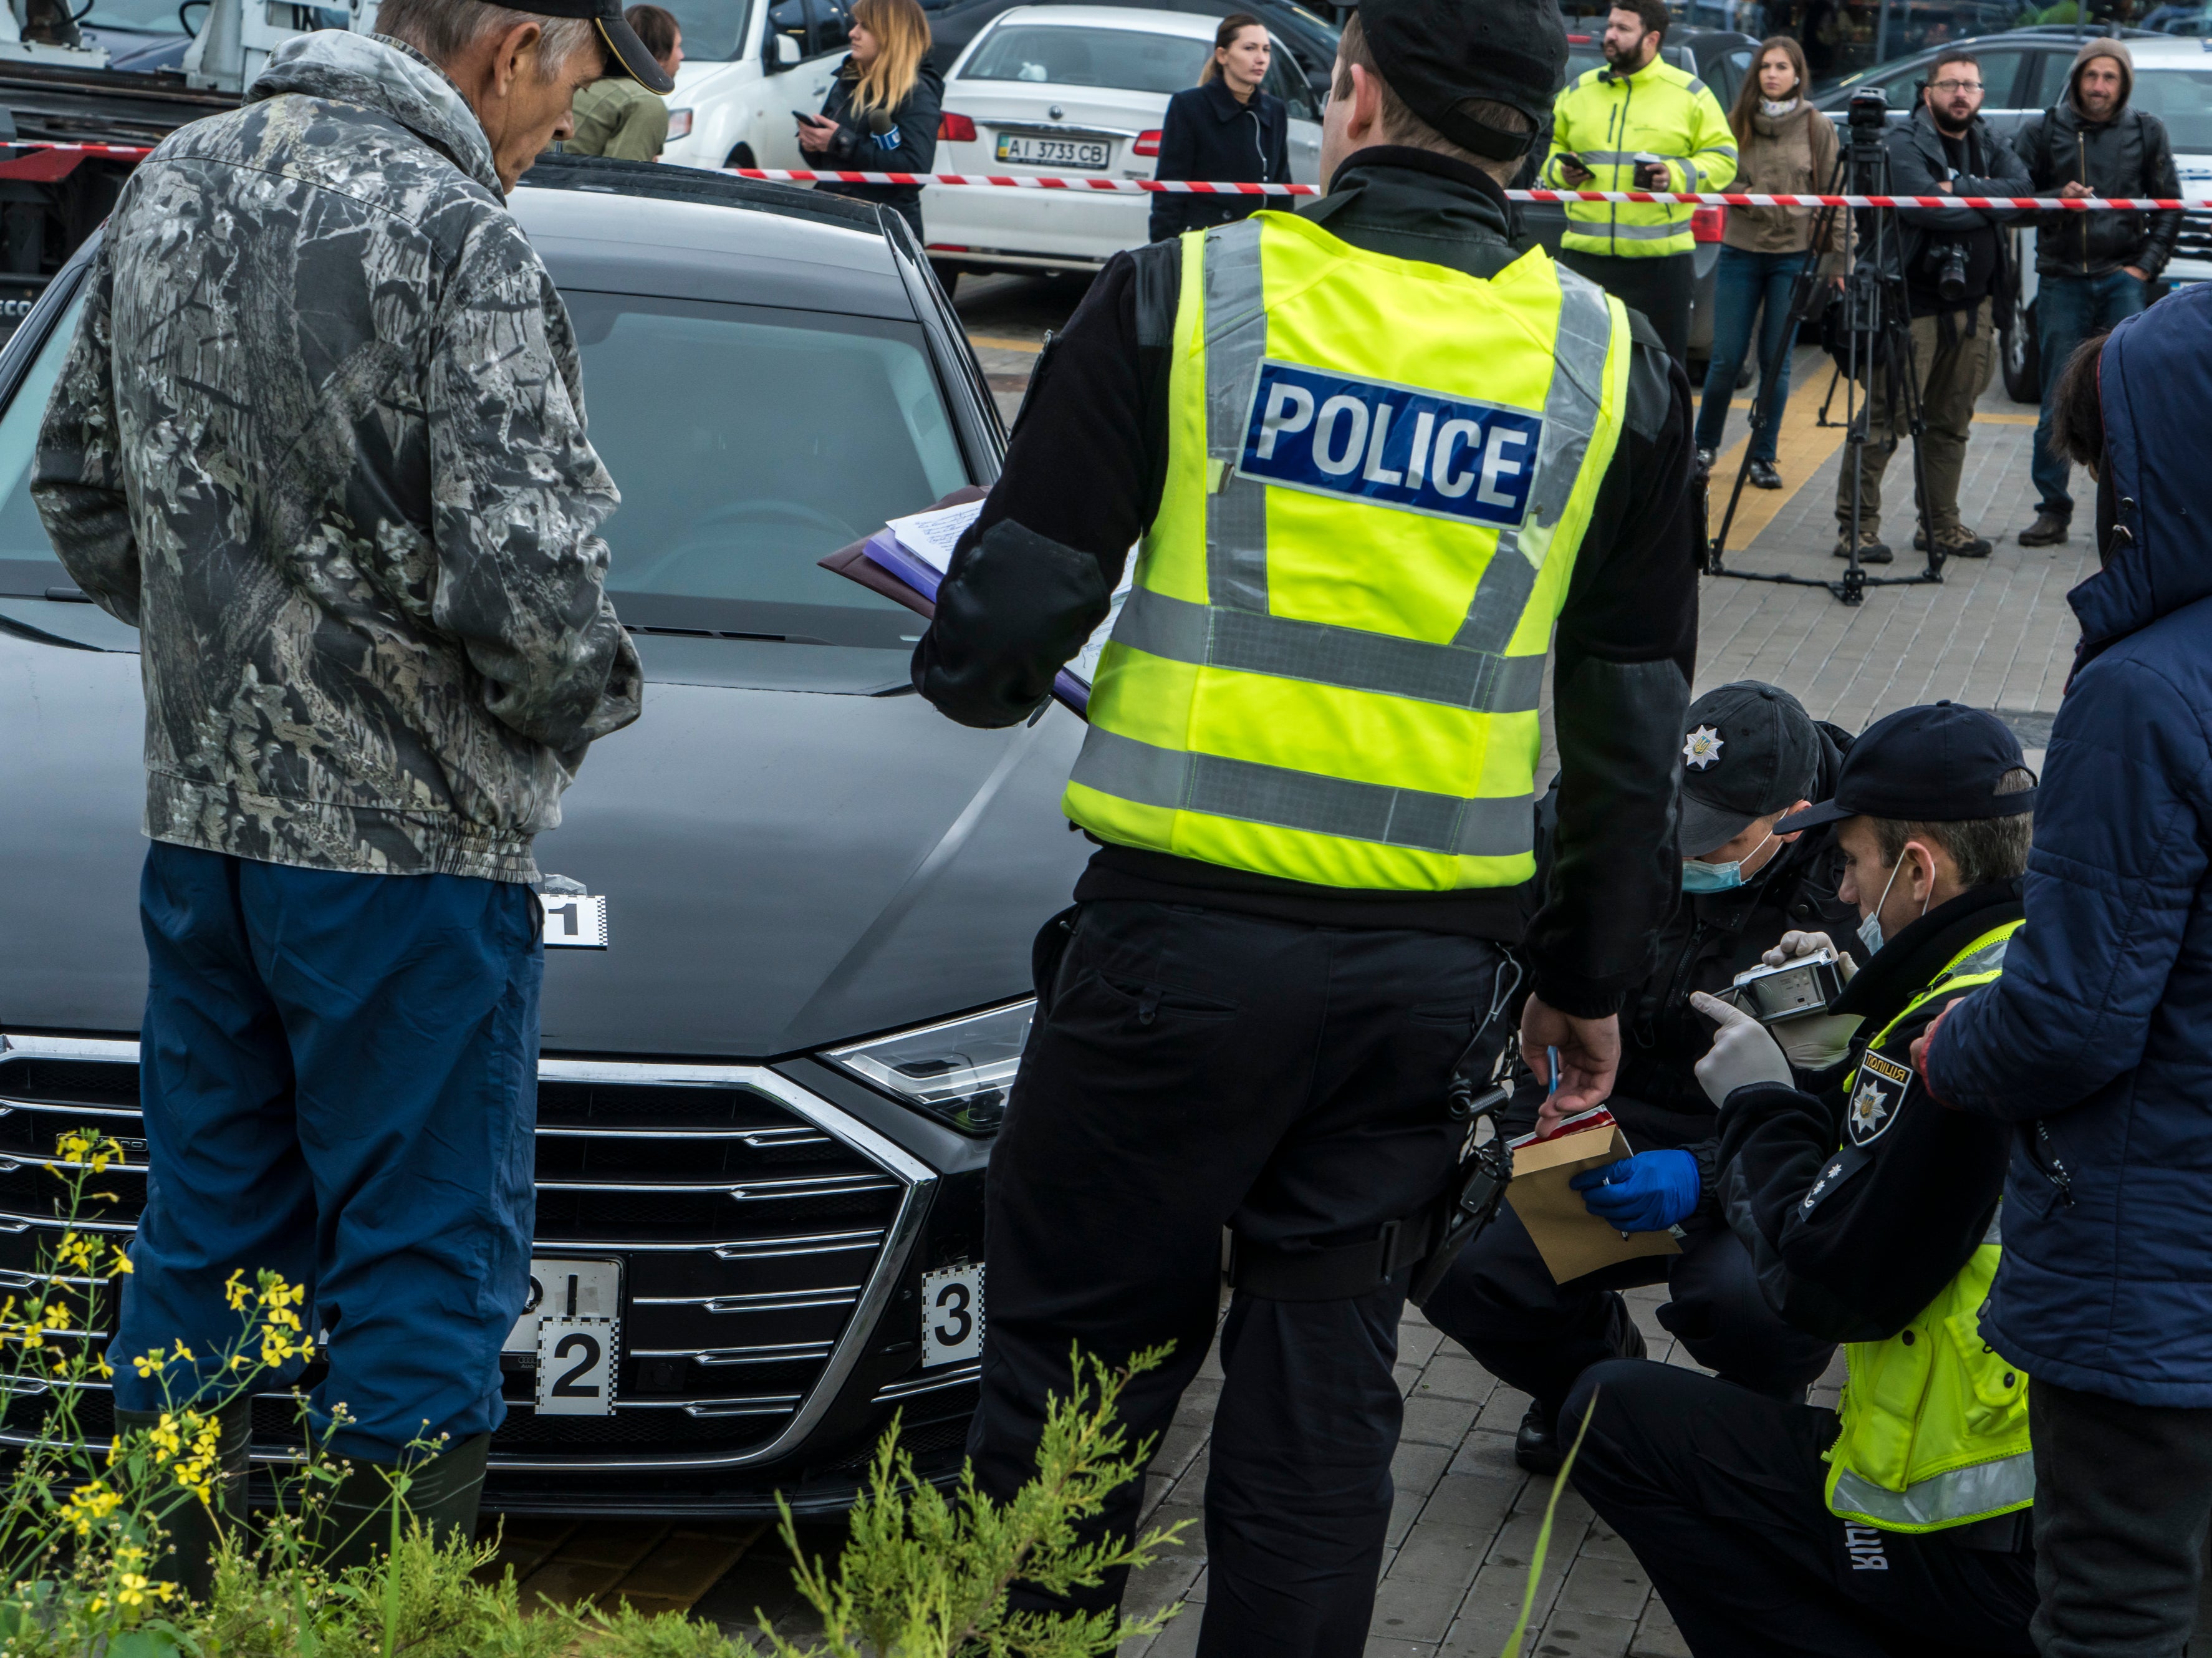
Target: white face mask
1870 929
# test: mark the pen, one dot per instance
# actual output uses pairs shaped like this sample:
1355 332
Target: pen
1551 1063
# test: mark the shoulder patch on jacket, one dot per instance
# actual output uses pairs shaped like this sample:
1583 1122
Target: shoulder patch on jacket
1877 1095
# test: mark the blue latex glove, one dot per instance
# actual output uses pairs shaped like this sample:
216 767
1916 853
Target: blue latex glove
1647 1193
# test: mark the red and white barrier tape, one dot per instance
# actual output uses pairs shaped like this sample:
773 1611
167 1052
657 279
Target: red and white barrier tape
130 152
1711 198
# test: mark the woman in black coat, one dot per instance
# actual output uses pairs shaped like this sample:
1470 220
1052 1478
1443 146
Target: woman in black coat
1225 130
882 111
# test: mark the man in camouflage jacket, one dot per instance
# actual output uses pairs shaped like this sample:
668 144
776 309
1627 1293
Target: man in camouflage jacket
320 438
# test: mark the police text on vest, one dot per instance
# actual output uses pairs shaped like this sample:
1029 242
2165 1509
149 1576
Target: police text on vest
1392 446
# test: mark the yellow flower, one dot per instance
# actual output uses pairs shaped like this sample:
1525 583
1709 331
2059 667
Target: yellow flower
236 1292
118 1265
183 1351
146 1363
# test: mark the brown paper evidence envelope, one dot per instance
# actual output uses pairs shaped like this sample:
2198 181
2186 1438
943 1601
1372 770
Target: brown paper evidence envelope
1571 1240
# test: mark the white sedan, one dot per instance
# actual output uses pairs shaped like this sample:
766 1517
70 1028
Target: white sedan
1080 91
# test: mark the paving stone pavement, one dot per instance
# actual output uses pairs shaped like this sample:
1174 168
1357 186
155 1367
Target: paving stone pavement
1996 633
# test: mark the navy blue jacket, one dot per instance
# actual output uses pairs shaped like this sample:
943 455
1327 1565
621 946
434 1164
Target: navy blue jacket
1209 136
2098 1039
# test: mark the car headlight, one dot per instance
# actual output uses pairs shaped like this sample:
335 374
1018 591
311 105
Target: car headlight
959 1071
679 124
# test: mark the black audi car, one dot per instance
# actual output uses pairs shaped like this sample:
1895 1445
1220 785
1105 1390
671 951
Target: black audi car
788 912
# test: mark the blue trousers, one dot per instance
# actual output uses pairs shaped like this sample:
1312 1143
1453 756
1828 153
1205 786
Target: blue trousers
339 1078
1745 286
2067 310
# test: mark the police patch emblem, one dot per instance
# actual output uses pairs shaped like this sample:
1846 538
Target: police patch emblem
1875 1097
1702 747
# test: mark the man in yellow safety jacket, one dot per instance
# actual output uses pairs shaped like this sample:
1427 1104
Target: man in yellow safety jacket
1639 123
1375 453
1898 1521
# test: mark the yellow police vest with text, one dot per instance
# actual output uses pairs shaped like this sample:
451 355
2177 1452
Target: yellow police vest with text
1328 664
1659 111
1934 1423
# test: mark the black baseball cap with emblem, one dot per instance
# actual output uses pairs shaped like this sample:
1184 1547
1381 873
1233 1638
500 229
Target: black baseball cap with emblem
1442 55
626 53
1748 748
1938 763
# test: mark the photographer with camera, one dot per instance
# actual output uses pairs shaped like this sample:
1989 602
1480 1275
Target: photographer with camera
1899 1523
1960 286
1751 753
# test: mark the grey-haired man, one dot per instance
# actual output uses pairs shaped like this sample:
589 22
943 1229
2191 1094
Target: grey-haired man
320 438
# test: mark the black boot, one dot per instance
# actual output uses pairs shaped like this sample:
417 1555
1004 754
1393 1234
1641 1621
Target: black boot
1536 1447
443 1494
188 1560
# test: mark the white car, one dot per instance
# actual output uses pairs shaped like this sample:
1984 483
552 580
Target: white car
747 65
1076 91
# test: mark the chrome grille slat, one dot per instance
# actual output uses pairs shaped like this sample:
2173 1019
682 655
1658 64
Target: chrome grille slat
666 1166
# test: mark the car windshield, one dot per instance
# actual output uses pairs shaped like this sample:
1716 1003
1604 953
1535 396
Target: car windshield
148 16
713 30
1122 58
2182 98
747 442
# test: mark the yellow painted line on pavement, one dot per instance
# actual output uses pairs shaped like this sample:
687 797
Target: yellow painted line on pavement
1799 447
992 343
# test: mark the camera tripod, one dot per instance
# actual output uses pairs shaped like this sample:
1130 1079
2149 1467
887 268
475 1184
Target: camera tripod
1877 332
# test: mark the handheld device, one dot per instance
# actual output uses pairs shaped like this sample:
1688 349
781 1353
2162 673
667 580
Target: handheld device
1644 159
1775 995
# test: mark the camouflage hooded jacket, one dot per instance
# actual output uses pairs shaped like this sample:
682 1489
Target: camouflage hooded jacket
320 438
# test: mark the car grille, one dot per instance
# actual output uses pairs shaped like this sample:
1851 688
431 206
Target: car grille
2195 240
761 1231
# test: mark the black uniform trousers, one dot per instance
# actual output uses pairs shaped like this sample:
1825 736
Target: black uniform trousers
1718 1491
1500 1304
1191 1069
1663 288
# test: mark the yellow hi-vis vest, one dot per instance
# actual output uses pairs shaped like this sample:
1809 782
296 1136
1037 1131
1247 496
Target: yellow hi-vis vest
1934 1423
1659 111
1328 664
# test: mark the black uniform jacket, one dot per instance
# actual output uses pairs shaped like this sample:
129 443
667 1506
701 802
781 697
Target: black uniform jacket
1710 937
1031 578
1209 136
1856 1225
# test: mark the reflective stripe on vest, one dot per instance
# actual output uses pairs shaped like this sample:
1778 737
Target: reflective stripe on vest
1934 1423
1229 706
1661 111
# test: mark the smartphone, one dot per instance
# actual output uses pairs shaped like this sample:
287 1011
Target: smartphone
803 118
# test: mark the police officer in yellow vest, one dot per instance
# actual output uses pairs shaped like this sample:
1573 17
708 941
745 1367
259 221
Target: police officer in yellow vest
1898 1522
1639 104
1374 452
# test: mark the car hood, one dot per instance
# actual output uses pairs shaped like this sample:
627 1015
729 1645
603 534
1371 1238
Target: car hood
783 869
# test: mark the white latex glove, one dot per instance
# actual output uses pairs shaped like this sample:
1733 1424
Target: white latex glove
1796 944
1817 1041
1743 1052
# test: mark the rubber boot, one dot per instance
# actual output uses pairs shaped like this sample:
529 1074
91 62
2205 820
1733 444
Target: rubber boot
189 1561
443 1494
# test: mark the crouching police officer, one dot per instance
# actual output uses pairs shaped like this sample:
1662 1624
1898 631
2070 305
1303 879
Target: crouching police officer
1898 1522
1374 451
1751 756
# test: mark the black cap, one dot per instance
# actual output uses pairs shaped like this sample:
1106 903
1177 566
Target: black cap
1939 764
1438 54
626 53
1748 748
